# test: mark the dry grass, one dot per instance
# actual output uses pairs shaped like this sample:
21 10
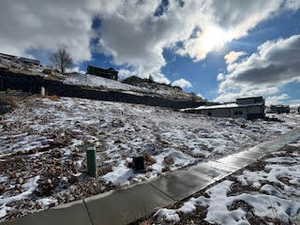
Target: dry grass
54 98
7 100
7 104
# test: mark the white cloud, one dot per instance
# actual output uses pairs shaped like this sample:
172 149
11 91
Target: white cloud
275 64
220 77
182 83
197 28
75 69
123 73
293 4
158 77
129 31
277 99
45 25
200 95
233 56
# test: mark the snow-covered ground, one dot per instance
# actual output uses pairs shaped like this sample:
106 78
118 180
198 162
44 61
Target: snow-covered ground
95 81
43 143
267 192
100 82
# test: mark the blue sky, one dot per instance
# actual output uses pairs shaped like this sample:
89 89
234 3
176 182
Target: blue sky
221 50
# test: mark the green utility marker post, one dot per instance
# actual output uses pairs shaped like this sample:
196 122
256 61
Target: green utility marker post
91 161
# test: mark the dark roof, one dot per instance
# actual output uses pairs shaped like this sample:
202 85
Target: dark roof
256 97
23 59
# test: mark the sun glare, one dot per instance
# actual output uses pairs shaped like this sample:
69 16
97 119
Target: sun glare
214 38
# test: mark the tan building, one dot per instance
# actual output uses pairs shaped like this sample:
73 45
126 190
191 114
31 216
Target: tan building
248 108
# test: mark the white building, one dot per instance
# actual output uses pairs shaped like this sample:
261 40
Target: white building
248 108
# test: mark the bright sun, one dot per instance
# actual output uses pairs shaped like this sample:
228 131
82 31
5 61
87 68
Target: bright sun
210 39
214 38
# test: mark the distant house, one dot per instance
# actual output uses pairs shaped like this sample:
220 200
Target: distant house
250 100
8 57
248 108
100 72
20 59
29 61
280 109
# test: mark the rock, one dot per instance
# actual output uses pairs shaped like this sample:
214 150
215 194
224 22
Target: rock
149 159
13 176
73 179
51 204
243 126
18 187
56 154
168 160
38 205
118 141
20 180
45 187
2 189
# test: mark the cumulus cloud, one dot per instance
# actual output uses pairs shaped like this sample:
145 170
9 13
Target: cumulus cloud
193 29
277 99
46 25
200 95
129 31
157 77
275 64
233 56
183 83
220 77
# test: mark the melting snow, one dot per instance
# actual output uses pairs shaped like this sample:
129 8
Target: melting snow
30 186
270 201
122 130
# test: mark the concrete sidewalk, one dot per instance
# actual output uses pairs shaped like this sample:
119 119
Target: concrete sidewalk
126 206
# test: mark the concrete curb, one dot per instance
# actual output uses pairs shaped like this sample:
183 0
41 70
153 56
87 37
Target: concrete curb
125 206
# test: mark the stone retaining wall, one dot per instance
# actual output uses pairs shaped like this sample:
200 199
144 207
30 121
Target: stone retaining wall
33 84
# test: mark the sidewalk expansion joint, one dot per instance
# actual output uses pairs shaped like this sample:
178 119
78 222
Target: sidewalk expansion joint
162 192
88 212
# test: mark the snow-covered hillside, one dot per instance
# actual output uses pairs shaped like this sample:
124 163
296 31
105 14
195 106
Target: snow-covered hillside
100 82
42 151
87 80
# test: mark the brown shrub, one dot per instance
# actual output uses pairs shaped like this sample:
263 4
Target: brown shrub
8 101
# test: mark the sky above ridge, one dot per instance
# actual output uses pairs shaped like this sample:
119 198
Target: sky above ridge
220 50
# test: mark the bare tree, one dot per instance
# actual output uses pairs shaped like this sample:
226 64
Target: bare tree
61 59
